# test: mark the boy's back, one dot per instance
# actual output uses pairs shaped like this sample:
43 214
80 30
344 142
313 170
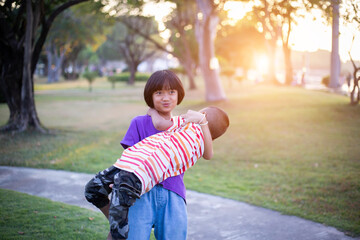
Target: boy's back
165 154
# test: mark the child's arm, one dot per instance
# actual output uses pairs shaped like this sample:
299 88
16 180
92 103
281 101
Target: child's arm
200 118
159 122
208 146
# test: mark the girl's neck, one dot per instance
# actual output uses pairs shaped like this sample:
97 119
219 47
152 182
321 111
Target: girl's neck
167 115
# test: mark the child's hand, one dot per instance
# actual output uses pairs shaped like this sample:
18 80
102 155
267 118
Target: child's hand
193 116
151 111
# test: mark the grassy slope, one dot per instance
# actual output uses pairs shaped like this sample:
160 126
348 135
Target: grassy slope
286 149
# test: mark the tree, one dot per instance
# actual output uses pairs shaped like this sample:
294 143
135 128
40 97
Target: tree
352 16
335 58
265 15
182 43
238 45
286 12
24 26
90 77
330 9
206 27
69 35
134 48
182 39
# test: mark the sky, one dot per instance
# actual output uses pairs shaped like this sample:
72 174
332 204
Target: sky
308 34
312 35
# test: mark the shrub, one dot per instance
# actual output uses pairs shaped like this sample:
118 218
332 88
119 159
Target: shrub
90 77
124 77
71 76
178 70
325 80
228 72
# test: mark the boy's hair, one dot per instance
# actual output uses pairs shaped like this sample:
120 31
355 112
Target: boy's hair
160 79
218 121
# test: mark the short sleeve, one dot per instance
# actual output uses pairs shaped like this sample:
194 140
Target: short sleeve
131 136
140 128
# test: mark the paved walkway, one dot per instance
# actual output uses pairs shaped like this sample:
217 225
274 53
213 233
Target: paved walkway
210 217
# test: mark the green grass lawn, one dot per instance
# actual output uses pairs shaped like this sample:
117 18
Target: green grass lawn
287 149
31 217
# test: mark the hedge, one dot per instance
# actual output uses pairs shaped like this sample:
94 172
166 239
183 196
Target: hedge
124 77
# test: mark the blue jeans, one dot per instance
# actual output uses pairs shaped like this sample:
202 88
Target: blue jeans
161 208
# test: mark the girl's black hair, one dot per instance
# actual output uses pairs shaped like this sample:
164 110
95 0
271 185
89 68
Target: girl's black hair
160 79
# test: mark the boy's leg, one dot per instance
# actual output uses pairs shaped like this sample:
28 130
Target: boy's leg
125 191
97 189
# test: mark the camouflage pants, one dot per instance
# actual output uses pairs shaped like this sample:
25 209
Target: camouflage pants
125 191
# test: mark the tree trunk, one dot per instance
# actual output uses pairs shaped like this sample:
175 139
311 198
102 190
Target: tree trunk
288 65
51 72
29 117
189 70
18 63
335 59
59 59
187 62
20 95
133 69
271 49
205 33
287 50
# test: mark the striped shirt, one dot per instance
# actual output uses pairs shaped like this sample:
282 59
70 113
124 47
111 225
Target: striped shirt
165 154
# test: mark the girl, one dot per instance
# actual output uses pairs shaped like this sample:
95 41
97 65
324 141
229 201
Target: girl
164 206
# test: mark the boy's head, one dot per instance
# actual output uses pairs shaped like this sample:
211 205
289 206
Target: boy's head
160 80
218 121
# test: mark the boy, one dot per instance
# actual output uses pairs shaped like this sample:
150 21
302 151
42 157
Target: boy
154 159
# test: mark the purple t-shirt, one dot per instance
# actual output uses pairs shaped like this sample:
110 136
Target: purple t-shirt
140 128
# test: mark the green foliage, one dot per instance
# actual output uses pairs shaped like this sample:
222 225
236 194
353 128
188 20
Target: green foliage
90 76
109 51
124 77
87 56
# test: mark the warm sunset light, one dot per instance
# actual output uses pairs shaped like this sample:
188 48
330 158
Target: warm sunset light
262 64
237 10
311 33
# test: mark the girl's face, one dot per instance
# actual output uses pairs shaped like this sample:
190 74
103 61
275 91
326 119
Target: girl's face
165 101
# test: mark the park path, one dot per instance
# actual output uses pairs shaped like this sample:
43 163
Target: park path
209 217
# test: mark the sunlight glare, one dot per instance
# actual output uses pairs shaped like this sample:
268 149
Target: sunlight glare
214 63
262 64
237 10
160 11
309 34
312 34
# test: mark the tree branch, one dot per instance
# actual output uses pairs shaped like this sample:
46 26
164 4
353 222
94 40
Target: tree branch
45 29
157 45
